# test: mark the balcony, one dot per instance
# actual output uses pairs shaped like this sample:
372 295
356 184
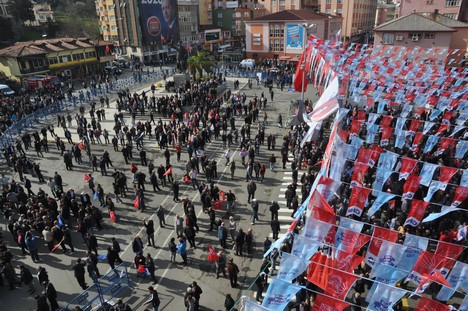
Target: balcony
34 70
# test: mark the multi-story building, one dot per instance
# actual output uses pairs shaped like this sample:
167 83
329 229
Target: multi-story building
65 57
282 36
387 10
120 22
273 6
455 9
42 12
205 12
358 17
188 21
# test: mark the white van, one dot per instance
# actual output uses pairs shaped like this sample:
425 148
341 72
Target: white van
5 90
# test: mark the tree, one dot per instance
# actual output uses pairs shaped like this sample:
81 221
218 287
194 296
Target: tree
200 62
22 10
51 28
6 29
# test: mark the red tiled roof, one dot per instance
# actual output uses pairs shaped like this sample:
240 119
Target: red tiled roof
39 47
294 15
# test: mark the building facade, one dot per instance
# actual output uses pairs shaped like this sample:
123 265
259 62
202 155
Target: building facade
281 35
42 12
188 21
205 12
386 11
358 17
455 9
273 6
65 57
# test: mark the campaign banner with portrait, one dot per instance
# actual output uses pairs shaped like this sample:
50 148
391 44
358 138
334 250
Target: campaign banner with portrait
294 36
159 20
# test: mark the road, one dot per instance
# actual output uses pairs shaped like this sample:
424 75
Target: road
173 278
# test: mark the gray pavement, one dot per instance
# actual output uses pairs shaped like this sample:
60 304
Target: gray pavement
173 278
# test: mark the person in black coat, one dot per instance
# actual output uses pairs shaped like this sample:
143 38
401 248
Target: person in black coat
275 227
51 294
42 304
175 189
111 257
79 271
149 232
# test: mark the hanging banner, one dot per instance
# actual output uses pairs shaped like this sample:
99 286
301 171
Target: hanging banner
461 194
383 198
357 201
323 302
411 186
304 247
360 169
380 234
279 294
427 172
458 277
385 297
291 266
407 167
433 188
416 214
446 173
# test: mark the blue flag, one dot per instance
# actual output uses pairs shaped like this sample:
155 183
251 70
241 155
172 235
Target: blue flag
464 179
276 244
427 126
400 123
279 294
400 138
355 145
434 186
291 266
445 211
252 305
386 275
387 160
371 132
304 247
432 140
385 297
458 277
382 198
380 178
390 253
414 246
461 149
316 230
427 172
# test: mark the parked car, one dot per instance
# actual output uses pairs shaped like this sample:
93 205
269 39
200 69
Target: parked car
247 63
113 70
5 90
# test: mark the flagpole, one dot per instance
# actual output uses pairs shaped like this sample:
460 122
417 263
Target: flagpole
306 27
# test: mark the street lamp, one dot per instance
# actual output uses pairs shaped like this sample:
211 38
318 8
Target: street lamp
307 27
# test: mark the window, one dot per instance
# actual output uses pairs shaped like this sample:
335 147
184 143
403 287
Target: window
277 45
451 15
281 2
340 1
293 2
415 35
429 35
452 2
273 3
220 15
220 24
339 11
388 38
277 30
328 2
430 2
327 11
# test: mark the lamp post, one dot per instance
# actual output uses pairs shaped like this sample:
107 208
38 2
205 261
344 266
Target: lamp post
307 27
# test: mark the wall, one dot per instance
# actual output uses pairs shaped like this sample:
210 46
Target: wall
459 37
257 31
441 40
410 6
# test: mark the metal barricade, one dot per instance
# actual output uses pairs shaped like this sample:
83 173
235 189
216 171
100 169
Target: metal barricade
103 290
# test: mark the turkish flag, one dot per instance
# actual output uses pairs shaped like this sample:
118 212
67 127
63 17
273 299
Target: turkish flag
323 302
427 304
168 172
360 169
212 255
446 173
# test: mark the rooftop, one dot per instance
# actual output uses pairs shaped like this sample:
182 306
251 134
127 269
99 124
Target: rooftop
40 47
295 15
414 22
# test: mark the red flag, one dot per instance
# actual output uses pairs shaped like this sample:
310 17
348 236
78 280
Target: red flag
358 200
302 69
427 279
426 263
350 241
445 142
417 139
112 216
447 116
319 268
442 128
361 116
136 202
419 111
355 127
343 135
360 169
212 255
323 215
448 250
348 261
461 193
376 151
217 205
339 283
364 155
56 246
446 173
107 48
418 207
386 121
323 302
222 195
427 304
317 200
86 178
407 167
411 186
168 172
386 135
414 126
380 234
